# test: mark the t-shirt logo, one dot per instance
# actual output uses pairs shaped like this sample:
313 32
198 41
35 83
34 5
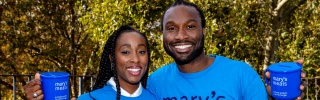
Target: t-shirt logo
213 95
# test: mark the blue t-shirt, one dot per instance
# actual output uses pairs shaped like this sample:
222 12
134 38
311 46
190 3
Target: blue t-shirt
107 93
224 79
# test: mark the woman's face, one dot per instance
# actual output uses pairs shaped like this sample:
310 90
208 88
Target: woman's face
131 58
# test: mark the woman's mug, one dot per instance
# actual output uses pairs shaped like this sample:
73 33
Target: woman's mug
55 85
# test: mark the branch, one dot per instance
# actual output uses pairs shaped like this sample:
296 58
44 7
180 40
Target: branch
8 61
83 40
56 30
65 34
6 85
292 9
13 67
55 60
273 3
260 43
37 50
10 87
92 55
2 54
280 4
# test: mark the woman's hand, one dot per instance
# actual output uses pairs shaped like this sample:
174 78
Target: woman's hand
33 89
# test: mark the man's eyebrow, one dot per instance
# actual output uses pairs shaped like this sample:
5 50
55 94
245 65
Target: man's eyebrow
190 20
169 22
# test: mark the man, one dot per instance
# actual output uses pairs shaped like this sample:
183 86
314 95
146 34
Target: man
194 75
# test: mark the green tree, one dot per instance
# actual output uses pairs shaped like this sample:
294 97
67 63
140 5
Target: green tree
254 31
106 16
69 35
44 36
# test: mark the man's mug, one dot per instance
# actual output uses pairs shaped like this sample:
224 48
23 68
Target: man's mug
285 80
55 85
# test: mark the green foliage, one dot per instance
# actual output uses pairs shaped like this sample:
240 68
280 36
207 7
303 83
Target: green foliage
69 35
300 39
235 25
237 29
106 16
43 36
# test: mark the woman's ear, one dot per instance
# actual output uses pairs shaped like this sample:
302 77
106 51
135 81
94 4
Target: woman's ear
110 59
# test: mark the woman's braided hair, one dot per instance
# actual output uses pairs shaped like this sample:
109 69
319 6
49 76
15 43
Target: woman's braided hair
107 65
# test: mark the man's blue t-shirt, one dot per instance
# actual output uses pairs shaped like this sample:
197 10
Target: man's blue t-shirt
224 79
108 93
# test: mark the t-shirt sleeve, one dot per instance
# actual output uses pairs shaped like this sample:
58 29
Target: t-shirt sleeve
84 97
253 87
151 84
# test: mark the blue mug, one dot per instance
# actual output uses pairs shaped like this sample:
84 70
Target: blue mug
55 85
285 80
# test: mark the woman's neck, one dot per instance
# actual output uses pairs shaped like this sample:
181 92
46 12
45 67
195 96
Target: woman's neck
130 88
126 88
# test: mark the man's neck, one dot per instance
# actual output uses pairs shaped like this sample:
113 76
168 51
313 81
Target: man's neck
200 63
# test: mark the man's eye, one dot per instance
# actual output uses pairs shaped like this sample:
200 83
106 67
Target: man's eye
191 26
171 28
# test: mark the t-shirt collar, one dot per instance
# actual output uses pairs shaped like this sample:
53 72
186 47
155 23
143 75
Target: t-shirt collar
124 92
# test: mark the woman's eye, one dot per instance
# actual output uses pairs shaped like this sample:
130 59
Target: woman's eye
142 52
125 52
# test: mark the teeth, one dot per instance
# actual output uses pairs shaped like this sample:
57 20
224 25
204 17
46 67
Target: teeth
182 46
134 70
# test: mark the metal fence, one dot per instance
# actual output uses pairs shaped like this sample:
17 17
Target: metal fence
313 80
316 87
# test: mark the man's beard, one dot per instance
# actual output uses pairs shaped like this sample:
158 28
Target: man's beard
185 60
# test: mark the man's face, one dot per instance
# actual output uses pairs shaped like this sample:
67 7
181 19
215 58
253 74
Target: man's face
183 37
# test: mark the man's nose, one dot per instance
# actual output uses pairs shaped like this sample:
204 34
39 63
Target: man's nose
181 34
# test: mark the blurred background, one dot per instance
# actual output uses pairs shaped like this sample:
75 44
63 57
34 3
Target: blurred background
68 35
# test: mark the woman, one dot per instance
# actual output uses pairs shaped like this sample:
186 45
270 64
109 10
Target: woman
123 68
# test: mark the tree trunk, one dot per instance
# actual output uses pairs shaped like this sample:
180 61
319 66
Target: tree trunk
271 45
279 15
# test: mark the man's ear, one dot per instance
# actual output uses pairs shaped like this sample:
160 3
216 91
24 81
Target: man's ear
204 32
